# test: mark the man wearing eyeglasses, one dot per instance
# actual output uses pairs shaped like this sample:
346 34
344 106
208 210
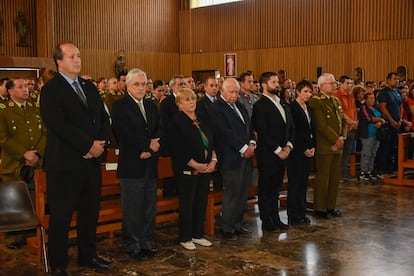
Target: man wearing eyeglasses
331 130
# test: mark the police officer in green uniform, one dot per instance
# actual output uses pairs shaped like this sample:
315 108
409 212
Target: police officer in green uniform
22 134
33 93
331 129
4 96
22 140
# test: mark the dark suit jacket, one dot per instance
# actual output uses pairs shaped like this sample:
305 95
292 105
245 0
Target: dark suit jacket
134 136
71 126
168 109
272 132
186 143
304 132
203 109
231 133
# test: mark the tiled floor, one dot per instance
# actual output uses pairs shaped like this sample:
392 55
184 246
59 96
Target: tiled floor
375 236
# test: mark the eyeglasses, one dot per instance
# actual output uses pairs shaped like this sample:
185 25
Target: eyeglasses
180 84
330 83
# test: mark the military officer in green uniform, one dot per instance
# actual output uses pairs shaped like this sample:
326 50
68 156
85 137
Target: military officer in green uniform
33 93
4 96
331 129
22 133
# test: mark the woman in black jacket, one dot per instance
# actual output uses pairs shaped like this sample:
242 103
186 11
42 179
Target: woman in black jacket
193 158
301 155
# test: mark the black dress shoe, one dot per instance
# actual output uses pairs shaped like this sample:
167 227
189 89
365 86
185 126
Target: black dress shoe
59 272
138 255
299 221
97 263
321 214
269 227
281 225
16 245
242 231
150 253
230 236
334 212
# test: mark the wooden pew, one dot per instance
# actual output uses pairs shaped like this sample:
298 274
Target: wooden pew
353 156
110 213
404 163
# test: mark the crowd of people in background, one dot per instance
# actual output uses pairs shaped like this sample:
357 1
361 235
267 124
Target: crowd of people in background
212 129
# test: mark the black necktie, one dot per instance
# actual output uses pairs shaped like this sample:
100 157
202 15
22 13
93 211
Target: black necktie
80 93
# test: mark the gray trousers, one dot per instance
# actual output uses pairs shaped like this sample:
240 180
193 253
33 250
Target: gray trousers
139 208
235 183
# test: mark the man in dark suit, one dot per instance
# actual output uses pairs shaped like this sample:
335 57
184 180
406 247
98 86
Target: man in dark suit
203 111
204 105
235 149
77 130
137 125
275 130
168 107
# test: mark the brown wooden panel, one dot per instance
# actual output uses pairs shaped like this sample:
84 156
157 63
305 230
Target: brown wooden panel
9 37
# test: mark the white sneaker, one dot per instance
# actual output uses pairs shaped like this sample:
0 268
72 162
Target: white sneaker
189 245
202 242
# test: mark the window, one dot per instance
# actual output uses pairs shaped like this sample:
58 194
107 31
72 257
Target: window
204 3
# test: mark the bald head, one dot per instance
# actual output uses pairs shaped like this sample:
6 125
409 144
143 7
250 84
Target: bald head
231 90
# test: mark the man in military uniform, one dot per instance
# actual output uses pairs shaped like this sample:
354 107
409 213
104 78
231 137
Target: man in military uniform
115 94
331 129
22 139
4 96
33 93
22 133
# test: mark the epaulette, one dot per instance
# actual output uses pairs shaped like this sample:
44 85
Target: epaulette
2 106
11 104
29 104
37 104
316 97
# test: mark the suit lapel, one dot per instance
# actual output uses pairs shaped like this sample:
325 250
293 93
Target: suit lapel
276 110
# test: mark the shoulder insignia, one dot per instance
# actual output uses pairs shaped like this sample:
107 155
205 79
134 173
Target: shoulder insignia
29 104
37 104
323 97
11 104
118 93
2 106
316 97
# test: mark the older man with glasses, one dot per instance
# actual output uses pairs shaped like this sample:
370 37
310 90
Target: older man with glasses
331 130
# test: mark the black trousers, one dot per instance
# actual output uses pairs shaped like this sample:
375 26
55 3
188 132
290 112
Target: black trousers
298 173
192 192
268 190
68 191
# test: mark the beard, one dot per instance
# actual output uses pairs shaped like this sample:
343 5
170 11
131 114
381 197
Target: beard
274 91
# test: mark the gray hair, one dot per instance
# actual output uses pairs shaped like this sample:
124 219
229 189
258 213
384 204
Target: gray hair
322 79
132 73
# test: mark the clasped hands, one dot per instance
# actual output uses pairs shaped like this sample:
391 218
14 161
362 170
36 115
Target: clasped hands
284 153
205 167
249 152
338 144
154 146
31 158
98 147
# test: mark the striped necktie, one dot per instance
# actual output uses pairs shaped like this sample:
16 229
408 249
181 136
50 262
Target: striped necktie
80 94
